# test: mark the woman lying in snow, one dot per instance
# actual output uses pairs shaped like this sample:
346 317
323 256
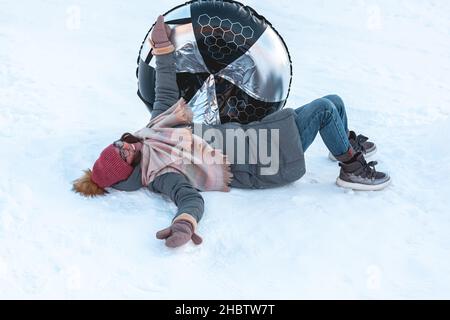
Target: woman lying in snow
151 157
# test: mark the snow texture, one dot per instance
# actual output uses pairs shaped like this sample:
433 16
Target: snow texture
68 88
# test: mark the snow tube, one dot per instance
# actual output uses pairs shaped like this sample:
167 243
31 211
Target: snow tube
232 65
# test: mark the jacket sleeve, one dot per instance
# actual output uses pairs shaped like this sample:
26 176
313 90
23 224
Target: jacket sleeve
181 192
166 88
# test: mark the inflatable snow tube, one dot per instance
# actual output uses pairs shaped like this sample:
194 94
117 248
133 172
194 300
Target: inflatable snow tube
232 66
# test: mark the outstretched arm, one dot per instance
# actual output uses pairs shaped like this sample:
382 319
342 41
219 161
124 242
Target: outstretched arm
190 209
166 88
180 191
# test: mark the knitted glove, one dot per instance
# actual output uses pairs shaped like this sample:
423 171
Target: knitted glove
159 38
178 234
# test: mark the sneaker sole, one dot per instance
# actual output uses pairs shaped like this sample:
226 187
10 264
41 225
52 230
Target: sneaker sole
367 155
362 187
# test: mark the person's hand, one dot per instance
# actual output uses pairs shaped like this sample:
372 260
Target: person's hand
160 38
178 234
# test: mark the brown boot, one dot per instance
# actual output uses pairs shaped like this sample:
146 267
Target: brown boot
357 174
160 38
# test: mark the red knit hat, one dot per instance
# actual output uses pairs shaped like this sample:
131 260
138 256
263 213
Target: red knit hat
110 168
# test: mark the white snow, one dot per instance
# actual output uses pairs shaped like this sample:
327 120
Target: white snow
68 88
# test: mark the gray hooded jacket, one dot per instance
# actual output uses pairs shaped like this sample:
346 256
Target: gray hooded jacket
276 138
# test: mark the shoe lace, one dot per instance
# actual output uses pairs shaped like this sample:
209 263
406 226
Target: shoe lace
369 169
359 143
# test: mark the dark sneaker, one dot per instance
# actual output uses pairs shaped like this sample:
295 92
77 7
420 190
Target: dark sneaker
360 143
357 174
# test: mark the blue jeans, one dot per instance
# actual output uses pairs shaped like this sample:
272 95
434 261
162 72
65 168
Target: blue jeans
325 115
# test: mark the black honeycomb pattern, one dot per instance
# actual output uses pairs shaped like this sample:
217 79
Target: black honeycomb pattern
222 36
239 110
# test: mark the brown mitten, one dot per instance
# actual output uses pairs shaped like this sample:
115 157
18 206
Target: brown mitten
178 234
160 38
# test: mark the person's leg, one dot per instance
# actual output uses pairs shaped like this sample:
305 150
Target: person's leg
323 116
340 106
358 142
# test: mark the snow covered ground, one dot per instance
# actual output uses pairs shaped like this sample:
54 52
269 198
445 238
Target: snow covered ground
68 87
